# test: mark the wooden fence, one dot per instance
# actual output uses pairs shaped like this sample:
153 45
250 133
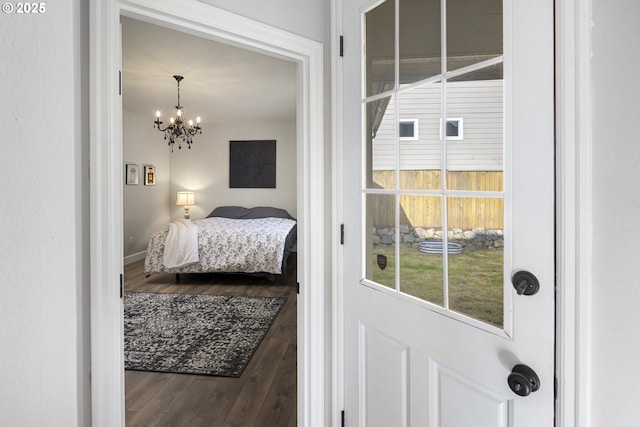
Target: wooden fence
426 211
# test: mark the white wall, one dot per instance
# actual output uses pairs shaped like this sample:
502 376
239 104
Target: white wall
43 241
205 168
616 216
146 207
303 17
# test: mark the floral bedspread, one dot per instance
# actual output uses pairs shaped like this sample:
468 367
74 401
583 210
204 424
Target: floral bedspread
228 245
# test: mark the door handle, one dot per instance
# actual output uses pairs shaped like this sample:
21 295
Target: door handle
523 380
525 282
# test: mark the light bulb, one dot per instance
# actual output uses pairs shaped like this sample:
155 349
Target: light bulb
158 114
190 122
179 113
198 119
172 120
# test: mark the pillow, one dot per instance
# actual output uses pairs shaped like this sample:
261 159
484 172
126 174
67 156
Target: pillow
238 212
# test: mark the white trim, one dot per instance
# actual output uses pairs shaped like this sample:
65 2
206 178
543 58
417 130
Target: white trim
107 370
337 218
129 259
574 209
106 190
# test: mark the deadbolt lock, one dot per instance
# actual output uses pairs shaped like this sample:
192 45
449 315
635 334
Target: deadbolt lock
525 283
523 380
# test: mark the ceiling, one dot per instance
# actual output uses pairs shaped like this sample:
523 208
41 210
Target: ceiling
221 83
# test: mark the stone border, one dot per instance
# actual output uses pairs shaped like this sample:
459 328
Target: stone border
477 238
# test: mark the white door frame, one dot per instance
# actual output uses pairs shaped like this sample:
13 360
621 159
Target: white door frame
573 216
106 171
574 209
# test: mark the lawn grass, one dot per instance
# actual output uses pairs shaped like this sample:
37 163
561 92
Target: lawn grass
475 279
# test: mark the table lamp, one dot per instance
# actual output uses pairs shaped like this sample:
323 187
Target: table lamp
186 199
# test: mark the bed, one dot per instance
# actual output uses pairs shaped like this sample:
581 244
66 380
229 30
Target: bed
231 239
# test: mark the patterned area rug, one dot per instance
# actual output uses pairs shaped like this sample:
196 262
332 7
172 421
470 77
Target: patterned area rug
195 334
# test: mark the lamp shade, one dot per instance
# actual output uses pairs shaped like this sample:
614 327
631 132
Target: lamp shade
186 198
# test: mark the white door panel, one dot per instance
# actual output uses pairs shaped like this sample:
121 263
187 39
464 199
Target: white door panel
384 377
449 388
415 356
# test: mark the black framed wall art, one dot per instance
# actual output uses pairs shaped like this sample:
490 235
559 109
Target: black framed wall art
252 164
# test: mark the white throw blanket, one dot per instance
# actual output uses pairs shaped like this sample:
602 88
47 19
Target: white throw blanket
181 246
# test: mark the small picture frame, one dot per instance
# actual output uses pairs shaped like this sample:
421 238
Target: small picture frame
149 175
133 173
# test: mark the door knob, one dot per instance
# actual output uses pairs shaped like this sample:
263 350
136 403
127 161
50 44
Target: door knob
525 282
523 380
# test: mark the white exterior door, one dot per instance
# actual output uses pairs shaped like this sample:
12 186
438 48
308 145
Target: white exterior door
447 192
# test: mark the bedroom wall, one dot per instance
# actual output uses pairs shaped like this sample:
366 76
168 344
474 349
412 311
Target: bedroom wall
205 168
146 207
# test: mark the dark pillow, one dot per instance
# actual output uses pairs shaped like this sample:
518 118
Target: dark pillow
238 212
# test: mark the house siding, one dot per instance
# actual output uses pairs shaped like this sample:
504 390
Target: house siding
478 103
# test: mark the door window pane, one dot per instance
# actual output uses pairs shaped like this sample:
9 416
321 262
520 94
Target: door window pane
474 32
381 235
380 48
476 278
381 144
421 269
420 40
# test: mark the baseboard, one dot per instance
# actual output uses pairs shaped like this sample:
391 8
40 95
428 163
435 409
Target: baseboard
135 257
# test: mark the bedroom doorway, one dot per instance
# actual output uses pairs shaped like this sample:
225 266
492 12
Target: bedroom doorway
108 403
212 75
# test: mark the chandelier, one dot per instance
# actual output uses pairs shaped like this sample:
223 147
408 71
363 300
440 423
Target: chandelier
178 131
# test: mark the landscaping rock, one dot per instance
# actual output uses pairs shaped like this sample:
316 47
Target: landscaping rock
475 239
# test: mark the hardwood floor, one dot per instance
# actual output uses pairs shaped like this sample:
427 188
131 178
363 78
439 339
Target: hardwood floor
264 395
